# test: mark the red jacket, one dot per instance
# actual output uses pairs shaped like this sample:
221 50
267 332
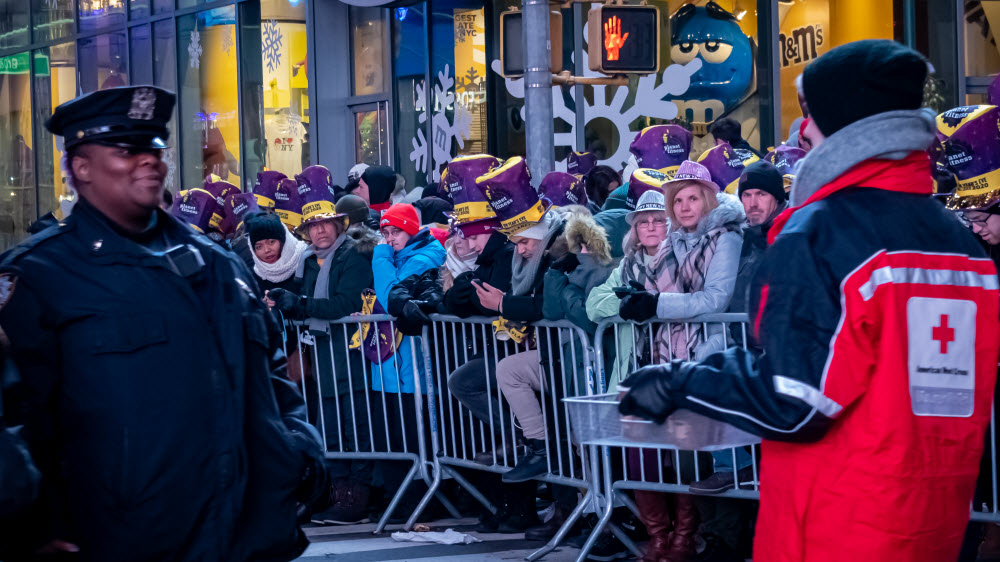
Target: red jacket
878 314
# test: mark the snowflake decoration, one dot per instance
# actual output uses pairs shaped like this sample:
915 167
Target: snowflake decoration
52 4
443 131
194 49
227 42
271 48
168 159
676 79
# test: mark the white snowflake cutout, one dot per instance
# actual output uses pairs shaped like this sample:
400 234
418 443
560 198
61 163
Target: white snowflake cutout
194 49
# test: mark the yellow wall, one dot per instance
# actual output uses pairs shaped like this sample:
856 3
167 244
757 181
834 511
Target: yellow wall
219 86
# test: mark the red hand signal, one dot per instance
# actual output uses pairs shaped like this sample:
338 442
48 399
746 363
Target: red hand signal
613 39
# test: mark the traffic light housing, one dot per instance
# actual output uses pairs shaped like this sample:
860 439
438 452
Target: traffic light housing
624 39
512 47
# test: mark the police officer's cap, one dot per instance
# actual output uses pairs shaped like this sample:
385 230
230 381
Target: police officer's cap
131 116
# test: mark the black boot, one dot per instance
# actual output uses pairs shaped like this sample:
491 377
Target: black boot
548 529
532 464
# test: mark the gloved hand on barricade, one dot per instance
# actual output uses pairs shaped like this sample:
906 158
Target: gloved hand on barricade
651 392
637 304
285 300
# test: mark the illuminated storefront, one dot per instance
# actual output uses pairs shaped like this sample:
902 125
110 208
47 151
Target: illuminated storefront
285 83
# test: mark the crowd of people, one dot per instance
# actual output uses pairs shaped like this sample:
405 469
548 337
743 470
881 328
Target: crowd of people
673 236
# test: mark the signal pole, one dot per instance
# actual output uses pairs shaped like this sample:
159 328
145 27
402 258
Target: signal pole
539 127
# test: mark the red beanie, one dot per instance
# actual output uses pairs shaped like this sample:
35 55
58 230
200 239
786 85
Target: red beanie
403 216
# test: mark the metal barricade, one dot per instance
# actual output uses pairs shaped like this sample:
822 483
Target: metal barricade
565 365
985 507
359 407
649 465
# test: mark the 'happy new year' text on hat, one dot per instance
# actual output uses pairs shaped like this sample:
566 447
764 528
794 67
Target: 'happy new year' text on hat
316 193
971 151
652 200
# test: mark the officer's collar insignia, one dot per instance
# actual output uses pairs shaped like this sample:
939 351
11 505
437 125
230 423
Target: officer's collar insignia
7 283
143 104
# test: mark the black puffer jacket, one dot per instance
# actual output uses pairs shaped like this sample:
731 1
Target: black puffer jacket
493 267
424 291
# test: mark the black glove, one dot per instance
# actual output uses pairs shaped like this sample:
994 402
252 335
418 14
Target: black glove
413 313
650 393
462 288
284 300
639 305
567 263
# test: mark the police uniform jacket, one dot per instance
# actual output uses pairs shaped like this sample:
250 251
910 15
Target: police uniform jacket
153 402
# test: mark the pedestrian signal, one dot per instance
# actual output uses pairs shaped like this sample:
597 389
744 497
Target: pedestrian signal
512 47
628 38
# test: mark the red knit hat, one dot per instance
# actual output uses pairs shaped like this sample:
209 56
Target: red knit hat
403 216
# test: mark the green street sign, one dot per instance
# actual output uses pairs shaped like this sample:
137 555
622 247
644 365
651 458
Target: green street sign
18 64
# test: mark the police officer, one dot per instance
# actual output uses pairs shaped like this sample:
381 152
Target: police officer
152 391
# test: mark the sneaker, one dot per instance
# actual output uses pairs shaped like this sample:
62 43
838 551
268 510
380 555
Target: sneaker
722 481
531 465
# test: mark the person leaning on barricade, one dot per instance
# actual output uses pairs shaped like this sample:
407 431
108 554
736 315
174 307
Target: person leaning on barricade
537 232
151 391
332 273
878 315
406 250
692 273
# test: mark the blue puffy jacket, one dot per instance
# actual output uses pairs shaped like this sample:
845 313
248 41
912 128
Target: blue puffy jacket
389 267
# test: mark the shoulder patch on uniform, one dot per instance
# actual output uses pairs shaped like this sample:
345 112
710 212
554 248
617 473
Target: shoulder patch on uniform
33 241
8 281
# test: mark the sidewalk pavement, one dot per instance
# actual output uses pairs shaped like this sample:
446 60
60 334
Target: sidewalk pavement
357 544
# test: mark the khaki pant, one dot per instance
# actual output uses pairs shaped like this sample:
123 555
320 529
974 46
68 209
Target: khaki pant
519 377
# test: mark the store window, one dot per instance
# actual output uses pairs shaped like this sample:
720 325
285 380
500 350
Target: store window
140 55
106 59
13 23
138 9
458 98
371 134
96 15
165 75
367 43
17 171
285 86
51 19
209 119
409 54
54 84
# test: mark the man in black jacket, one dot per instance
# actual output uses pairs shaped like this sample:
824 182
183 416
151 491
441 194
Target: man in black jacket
151 384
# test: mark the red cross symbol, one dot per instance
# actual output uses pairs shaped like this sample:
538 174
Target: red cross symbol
943 334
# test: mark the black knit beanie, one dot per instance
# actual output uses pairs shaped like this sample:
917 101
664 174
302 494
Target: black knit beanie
265 226
381 181
764 176
860 79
